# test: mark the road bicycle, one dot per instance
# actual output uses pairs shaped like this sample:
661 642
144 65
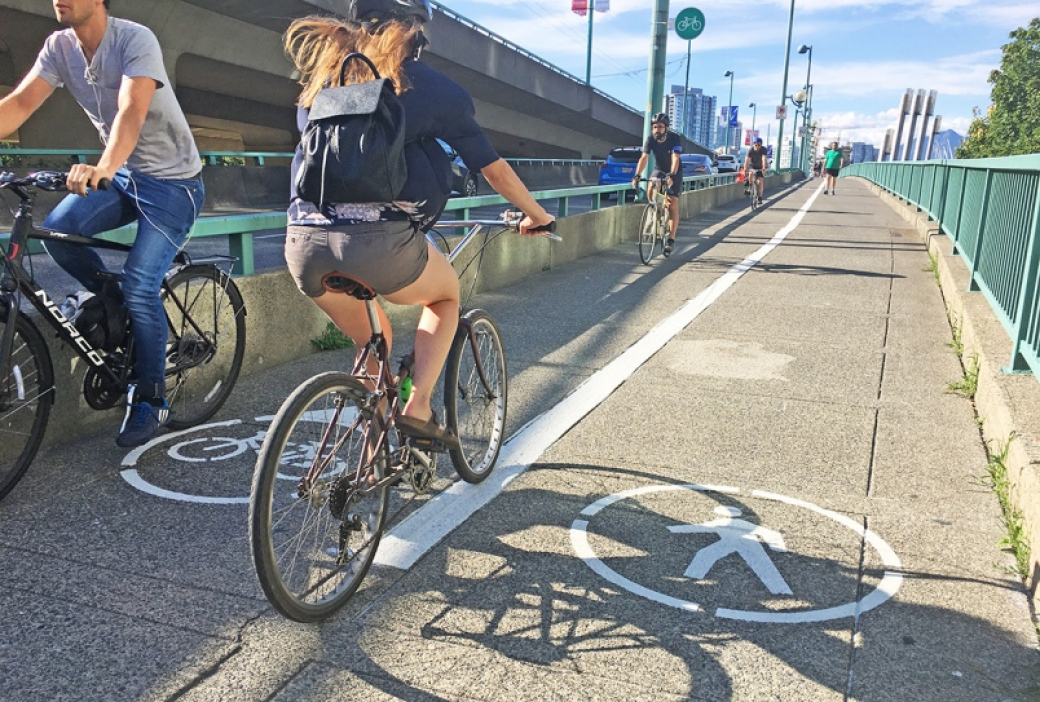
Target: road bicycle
321 488
653 225
751 189
205 315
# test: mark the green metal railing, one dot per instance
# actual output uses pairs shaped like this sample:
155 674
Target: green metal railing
990 208
239 228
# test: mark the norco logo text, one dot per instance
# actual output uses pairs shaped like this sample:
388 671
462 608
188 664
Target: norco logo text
69 327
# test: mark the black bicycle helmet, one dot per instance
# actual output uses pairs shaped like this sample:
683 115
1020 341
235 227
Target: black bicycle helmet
662 118
378 10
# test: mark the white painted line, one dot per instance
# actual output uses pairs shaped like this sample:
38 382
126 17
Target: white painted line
403 545
134 478
131 458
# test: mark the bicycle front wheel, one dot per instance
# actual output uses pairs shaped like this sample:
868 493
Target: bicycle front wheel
207 342
313 543
648 234
26 395
476 391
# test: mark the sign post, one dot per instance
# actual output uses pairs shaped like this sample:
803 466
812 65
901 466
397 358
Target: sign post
688 25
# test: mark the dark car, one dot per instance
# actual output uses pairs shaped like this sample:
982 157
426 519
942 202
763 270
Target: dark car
620 167
696 165
463 182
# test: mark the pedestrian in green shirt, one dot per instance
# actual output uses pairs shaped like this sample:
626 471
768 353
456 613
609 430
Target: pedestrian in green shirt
835 160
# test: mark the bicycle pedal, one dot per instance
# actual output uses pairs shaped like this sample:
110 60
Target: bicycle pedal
431 445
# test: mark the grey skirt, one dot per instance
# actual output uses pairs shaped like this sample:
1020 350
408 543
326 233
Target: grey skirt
385 256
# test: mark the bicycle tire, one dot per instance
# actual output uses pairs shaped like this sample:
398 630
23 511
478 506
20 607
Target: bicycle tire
205 348
474 410
26 409
648 236
296 540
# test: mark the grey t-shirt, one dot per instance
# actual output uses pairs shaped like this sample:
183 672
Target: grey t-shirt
166 148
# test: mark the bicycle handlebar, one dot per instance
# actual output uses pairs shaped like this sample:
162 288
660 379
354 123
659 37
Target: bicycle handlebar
509 219
53 181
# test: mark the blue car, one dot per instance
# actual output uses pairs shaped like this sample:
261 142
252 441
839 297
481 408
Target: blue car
620 167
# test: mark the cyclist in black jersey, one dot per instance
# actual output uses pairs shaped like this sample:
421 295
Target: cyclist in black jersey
755 166
666 147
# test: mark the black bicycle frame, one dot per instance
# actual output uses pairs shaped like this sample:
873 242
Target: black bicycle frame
17 280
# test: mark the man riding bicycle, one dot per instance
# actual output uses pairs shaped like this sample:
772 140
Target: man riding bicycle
114 69
666 147
755 167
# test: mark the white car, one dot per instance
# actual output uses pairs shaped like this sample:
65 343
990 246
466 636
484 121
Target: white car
727 163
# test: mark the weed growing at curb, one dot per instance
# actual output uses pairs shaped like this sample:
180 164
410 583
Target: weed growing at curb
969 384
332 339
1016 539
957 344
933 268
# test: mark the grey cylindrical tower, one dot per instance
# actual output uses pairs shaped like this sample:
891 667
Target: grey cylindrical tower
918 103
904 107
928 108
936 128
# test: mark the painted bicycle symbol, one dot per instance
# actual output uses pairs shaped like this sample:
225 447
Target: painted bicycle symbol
689 23
216 446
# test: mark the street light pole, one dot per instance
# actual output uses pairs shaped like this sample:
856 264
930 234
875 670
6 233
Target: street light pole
754 113
729 106
783 91
804 48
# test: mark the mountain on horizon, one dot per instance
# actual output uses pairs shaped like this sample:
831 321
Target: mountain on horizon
945 146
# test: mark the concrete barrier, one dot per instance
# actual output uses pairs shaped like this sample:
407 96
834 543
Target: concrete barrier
1007 405
280 322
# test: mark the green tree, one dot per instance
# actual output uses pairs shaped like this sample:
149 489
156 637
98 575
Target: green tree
1012 124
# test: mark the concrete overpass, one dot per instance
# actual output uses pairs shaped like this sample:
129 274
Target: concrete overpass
233 80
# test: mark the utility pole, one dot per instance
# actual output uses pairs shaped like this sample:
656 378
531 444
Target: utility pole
783 91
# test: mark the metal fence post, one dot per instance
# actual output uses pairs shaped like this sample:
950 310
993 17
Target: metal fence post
1026 294
241 247
960 213
973 285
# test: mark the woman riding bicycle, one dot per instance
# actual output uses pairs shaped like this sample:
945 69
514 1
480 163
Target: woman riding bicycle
383 244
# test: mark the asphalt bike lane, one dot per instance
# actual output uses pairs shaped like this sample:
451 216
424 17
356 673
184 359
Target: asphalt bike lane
129 572
577 581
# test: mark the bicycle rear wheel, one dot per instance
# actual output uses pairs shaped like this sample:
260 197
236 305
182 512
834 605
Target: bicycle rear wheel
207 323
313 546
475 404
26 395
648 234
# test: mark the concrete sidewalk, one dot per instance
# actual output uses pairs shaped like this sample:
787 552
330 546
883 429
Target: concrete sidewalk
782 503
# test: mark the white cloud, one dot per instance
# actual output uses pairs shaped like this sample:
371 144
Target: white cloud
852 126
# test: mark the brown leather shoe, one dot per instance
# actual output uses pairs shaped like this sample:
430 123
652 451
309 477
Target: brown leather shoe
428 433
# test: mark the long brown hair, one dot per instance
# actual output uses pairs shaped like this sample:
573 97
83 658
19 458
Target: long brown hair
317 46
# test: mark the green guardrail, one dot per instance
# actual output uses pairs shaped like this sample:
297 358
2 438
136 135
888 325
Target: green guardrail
240 228
990 209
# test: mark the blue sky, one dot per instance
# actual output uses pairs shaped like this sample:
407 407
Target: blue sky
866 53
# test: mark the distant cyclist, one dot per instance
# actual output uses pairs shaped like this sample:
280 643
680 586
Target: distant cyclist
755 167
666 147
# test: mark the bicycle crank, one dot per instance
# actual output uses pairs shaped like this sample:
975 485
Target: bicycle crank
423 470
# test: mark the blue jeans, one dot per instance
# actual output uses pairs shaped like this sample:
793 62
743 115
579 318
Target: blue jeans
165 211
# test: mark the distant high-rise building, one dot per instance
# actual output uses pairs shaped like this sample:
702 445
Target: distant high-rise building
692 117
863 152
736 135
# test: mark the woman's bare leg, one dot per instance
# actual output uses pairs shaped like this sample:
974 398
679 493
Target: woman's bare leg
349 315
437 289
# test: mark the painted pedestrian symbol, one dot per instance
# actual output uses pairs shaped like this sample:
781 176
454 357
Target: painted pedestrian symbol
741 537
